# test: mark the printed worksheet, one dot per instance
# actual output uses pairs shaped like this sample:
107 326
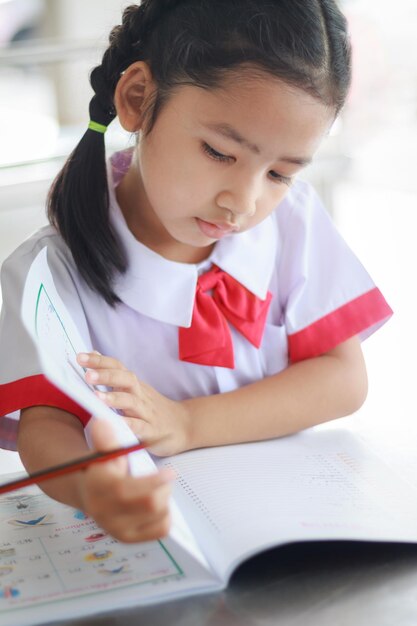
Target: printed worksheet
56 562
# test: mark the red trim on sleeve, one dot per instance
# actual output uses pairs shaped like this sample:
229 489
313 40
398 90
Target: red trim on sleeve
36 391
329 331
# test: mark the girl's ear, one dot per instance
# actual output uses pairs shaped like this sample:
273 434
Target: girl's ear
133 90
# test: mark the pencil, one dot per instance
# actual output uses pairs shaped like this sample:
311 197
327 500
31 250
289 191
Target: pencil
69 467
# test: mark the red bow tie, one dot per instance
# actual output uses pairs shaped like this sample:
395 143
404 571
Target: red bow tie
208 341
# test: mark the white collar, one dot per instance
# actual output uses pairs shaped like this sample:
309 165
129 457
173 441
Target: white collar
165 290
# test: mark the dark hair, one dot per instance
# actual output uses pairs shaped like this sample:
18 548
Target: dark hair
193 42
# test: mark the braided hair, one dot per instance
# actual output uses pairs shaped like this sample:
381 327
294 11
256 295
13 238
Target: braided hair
190 42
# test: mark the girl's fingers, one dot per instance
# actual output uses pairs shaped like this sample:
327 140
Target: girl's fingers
95 359
144 517
118 501
143 507
145 497
149 532
127 531
122 379
103 439
130 492
126 402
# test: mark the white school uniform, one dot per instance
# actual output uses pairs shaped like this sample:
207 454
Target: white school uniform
322 296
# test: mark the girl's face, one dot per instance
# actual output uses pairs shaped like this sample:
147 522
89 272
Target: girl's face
216 163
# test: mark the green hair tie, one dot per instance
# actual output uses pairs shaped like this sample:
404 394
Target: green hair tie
99 128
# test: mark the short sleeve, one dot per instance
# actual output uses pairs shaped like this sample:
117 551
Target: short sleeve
328 295
22 383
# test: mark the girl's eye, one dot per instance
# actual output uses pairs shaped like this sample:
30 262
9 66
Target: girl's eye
279 178
213 154
218 156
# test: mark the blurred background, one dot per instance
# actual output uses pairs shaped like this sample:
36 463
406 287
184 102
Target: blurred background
366 171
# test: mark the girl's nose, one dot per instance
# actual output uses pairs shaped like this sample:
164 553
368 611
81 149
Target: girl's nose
241 202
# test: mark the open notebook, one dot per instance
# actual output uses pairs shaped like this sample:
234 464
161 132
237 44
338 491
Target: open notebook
228 504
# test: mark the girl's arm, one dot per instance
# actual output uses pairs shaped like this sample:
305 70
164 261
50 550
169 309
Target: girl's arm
129 508
305 394
47 437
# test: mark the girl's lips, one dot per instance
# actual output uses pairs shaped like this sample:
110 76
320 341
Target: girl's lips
215 231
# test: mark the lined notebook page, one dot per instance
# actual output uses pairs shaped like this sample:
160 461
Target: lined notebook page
315 485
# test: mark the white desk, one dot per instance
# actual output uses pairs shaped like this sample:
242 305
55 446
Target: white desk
9 462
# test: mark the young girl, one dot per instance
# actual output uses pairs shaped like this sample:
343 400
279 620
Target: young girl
219 301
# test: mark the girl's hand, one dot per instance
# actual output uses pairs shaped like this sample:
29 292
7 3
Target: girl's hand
161 423
129 508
